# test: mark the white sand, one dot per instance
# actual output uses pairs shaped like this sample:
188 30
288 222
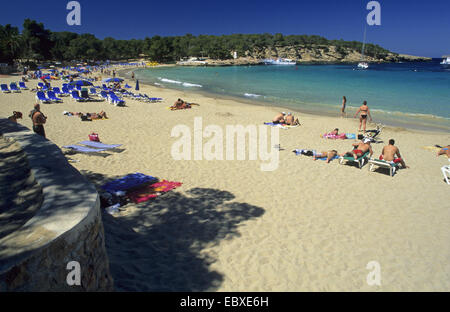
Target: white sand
307 226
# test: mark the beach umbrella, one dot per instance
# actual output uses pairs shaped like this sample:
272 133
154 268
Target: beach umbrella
82 83
137 84
112 80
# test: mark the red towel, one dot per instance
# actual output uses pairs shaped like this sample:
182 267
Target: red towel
152 191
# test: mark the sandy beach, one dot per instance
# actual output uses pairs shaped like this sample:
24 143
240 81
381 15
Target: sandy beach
306 226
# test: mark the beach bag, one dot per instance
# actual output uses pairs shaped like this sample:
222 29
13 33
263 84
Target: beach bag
94 137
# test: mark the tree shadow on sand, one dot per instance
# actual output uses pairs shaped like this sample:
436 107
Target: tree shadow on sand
160 246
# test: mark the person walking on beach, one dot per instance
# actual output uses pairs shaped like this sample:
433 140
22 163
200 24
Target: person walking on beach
38 119
344 102
390 152
364 111
132 75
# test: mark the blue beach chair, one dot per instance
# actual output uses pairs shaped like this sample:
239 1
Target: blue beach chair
4 88
51 95
40 96
22 85
76 96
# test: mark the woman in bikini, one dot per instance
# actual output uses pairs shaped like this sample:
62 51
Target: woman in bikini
364 111
444 151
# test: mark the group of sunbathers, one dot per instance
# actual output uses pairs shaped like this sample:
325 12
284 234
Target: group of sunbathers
390 152
285 119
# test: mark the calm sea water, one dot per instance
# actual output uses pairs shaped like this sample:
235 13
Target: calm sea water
405 94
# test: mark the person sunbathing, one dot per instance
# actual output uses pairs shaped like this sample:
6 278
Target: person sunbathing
15 116
180 104
329 155
360 149
290 120
444 151
390 152
279 119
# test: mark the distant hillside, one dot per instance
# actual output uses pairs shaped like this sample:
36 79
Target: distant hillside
39 44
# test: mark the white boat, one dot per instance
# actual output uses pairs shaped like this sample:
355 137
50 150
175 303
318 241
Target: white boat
363 64
279 61
446 61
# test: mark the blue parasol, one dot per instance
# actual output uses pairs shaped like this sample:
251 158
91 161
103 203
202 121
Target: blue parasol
137 84
113 80
82 83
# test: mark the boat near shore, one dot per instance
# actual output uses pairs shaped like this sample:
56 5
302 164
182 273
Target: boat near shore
446 61
279 61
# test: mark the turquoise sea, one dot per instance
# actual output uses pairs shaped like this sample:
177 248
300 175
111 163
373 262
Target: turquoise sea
413 95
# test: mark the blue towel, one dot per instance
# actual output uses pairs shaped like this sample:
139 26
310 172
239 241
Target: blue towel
128 181
351 136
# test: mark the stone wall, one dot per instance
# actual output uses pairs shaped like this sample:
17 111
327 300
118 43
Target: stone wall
67 227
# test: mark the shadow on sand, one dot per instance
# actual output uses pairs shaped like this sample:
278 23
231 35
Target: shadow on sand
160 245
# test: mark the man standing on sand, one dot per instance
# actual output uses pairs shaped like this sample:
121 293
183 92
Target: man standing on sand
390 151
38 119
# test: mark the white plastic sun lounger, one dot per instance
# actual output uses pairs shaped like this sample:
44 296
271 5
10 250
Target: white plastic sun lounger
383 164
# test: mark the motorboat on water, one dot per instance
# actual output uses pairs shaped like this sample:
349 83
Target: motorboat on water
363 65
279 61
446 61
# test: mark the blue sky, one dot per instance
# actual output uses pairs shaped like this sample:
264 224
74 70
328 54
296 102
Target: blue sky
412 27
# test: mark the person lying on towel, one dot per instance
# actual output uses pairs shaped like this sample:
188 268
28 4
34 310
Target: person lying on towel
329 155
334 135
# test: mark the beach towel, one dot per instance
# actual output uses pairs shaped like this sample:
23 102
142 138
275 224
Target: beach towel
341 136
147 192
281 126
351 136
127 182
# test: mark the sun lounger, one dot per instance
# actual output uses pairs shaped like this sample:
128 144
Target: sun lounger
83 149
446 172
22 85
40 96
51 95
115 99
76 96
383 164
40 85
104 95
4 88
14 87
100 145
127 182
360 161
93 92
57 91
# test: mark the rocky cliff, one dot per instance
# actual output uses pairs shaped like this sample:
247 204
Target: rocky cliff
313 54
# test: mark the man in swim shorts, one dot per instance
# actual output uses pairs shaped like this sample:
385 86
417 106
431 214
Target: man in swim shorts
360 149
390 152
279 119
